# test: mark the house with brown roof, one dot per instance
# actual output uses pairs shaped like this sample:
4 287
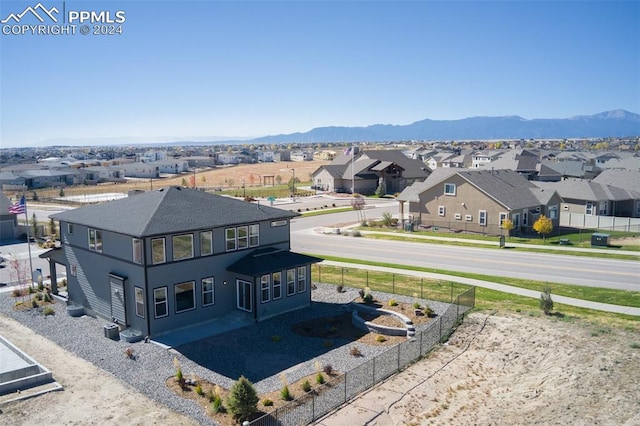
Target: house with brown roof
364 171
478 201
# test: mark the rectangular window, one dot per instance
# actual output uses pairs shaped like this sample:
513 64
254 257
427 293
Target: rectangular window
243 237
160 302
139 294
468 218
302 279
502 217
137 251
157 251
185 296
278 223
95 240
482 217
440 210
291 282
70 228
207 291
230 239
265 288
254 235
73 269
182 247
603 208
553 212
458 216
449 189
277 285
638 208
206 243
525 218
588 209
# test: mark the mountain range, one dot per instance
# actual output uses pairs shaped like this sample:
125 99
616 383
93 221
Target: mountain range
616 123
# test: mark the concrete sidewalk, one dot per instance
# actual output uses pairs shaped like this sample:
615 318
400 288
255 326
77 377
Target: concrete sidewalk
627 310
507 243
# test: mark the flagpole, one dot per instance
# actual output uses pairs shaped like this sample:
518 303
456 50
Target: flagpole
26 215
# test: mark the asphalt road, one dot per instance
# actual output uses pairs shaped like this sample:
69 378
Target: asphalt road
553 268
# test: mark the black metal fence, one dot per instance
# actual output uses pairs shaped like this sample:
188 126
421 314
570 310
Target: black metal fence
336 392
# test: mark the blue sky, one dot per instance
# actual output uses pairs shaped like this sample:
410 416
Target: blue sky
239 69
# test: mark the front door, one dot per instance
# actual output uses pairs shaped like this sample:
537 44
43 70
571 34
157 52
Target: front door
245 293
516 223
118 310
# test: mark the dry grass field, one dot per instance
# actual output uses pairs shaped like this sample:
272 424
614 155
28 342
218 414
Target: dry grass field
225 177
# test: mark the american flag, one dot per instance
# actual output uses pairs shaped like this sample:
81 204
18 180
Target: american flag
348 151
19 207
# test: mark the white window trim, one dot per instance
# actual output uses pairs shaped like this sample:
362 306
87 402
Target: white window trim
291 283
502 216
135 241
468 218
165 302
227 240
553 209
138 291
254 232
173 246
588 208
441 211
70 228
164 251
278 286
95 239
210 233
482 217
243 242
193 296
265 286
450 185
204 292
301 281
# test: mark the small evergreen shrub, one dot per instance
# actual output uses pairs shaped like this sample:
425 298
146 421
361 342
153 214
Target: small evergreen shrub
368 298
392 302
48 310
306 386
243 399
267 402
198 389
319 378
546 303
380 338
416 305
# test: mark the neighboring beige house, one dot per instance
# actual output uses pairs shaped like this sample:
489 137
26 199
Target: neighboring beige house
478 201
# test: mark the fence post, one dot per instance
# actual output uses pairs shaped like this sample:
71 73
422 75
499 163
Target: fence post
451 297
440 325
421 286
319 273
367 275
342 276
393 277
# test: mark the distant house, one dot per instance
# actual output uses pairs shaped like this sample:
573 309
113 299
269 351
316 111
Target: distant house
478 201
301 156
141 170
8 221
170 258
595 199
363 172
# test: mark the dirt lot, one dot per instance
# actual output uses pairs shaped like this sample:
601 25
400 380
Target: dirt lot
505 368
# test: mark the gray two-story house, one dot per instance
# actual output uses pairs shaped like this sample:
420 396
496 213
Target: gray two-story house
174 257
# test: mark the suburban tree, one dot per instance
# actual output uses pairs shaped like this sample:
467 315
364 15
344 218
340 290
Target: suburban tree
243 399
53 230
543 226
546 303
380 191
507 225
34 225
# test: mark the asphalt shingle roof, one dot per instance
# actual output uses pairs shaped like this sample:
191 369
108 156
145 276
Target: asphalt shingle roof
579 189
263 261
170 210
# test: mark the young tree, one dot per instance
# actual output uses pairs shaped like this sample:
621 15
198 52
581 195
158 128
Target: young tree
53 230
543 226
507 225
380 192
242 399
546 304
34 225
